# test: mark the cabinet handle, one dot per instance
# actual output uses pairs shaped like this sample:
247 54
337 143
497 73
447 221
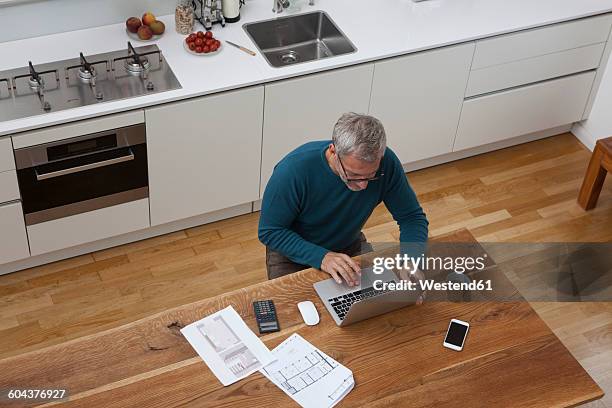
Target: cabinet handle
84 167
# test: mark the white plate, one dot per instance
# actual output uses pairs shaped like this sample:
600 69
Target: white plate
186 47
134 36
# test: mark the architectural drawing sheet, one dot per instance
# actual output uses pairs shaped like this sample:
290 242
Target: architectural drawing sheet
309 376
228 347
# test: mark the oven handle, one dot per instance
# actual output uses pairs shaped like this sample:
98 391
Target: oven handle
84 167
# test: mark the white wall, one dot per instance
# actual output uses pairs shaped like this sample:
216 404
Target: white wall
32 19
599 123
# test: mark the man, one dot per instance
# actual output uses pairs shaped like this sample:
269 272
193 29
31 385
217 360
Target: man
321 194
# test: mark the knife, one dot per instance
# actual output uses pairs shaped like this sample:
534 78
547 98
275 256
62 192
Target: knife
240 47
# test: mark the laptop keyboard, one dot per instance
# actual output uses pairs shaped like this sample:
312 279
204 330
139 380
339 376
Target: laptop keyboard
342 304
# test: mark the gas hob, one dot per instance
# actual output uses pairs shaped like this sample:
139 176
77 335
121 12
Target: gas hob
89 79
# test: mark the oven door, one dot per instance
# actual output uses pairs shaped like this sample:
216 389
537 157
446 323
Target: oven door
82 174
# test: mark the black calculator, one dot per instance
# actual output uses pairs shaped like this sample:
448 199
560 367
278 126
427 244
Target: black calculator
265 313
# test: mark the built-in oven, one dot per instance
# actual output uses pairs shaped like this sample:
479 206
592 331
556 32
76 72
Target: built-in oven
82 174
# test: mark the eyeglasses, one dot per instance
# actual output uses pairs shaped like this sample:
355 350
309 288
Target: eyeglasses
349 180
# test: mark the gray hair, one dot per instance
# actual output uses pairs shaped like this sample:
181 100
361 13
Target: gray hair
361 135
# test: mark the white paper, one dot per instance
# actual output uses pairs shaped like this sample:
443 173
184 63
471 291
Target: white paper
228 347
309 376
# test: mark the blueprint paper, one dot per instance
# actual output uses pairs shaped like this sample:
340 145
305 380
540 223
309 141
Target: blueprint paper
309 376
228 347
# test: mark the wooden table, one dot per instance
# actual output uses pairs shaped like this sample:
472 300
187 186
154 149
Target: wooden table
511 358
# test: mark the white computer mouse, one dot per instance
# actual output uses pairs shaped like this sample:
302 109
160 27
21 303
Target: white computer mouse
309 312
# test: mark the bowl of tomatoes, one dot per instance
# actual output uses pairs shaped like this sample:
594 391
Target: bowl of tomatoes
202 43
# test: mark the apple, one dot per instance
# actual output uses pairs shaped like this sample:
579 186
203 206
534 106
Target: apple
157 27
148 18
145 33
133 24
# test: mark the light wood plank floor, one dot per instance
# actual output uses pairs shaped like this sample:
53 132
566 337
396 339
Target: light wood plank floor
525 193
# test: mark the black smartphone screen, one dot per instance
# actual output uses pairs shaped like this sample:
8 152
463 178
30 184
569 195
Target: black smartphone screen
455 334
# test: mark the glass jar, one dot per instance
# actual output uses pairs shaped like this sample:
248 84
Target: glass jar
183 17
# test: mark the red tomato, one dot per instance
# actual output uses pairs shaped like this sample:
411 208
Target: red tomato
199 42
213 48
191 37
209 42
192 46
208 34
218 43
198 50
206 49
200 34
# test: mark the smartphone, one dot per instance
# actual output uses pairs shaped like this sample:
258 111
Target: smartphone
455 335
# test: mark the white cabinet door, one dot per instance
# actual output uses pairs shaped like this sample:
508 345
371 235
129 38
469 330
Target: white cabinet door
7 162
541 41
89 226
531 70
13 239
305 109
523 110
204 154
418 99
9 188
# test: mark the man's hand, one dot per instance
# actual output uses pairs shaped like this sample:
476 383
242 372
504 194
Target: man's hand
341 266
415 275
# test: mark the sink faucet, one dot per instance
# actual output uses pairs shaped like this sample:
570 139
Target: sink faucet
279 5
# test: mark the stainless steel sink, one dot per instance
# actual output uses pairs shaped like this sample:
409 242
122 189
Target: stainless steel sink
299 38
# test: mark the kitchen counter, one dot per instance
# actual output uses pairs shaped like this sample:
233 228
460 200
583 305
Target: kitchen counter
400 27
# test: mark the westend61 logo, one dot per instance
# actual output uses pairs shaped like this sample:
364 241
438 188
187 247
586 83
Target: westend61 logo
428 263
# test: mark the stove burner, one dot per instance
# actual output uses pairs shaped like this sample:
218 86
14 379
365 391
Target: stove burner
87 75
36 82
137 65
35 79
87 72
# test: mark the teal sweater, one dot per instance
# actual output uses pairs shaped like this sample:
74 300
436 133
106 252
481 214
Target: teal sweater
307 210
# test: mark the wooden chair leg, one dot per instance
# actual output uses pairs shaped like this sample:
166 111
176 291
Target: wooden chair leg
593 181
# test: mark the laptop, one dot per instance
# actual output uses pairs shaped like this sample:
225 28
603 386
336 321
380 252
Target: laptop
349 305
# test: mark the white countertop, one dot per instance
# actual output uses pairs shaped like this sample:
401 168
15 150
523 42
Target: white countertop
378 29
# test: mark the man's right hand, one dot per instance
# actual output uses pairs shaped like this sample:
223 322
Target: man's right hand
341 266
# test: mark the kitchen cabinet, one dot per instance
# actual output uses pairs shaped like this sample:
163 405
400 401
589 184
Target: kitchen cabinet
518 111
530 81
538 54
531 70
88 227
418 98
7 162
13 239
305 109
9 189
541 41
204 154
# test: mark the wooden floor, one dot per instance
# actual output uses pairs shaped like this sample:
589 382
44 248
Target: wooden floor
525 193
